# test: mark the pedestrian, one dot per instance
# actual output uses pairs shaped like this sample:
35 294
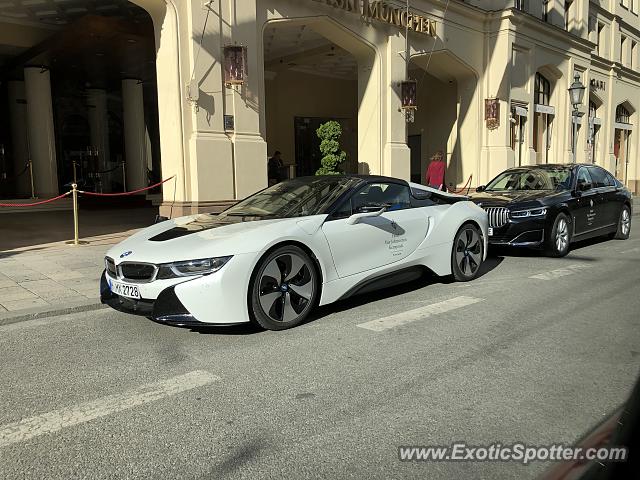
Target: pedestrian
274 168
435 171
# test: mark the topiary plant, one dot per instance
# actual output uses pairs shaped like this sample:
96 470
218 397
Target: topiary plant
333 157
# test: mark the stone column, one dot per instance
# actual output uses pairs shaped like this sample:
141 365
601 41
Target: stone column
134 134
99 124
249 145
19 140
41 132
397 156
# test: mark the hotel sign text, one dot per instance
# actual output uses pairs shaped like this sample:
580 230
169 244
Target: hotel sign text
384 12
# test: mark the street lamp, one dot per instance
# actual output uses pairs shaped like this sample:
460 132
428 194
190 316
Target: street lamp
576 94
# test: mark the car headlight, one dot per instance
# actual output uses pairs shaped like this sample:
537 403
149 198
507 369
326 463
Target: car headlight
188 268
532 212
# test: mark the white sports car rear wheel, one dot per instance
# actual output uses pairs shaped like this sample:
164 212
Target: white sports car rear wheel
284 288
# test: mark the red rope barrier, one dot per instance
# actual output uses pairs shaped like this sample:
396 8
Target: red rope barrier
35 203
125 193
463 188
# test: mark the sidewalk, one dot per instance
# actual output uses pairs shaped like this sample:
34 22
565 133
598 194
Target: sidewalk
53 276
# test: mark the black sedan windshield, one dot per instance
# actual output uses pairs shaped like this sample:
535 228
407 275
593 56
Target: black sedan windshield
293 198
532 179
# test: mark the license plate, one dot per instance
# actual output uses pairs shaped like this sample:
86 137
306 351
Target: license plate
490 231
124 290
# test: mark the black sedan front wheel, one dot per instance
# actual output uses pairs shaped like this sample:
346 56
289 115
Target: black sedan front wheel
559 239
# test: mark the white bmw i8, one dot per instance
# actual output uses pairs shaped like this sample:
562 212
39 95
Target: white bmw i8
304 242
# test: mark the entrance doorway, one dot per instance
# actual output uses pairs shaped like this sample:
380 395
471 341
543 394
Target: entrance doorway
315 72
542 119
93 92
622 134
307 145
415 145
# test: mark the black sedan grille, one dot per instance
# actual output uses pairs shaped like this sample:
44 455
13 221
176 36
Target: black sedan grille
498 216
137 272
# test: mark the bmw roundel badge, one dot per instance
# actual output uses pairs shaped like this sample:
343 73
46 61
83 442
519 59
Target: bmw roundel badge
126 254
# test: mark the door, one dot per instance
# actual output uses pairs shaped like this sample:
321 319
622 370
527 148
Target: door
584 213
607 207
375 241
415 146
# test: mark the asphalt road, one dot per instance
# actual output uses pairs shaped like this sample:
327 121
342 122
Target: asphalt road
537 350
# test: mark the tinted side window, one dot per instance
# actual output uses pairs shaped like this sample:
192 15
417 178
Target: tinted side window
396 196
583 179
344 211
599 177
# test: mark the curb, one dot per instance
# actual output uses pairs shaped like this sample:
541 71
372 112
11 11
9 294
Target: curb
17 316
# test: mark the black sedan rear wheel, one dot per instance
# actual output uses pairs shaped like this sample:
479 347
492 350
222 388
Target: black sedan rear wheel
284 289
624 224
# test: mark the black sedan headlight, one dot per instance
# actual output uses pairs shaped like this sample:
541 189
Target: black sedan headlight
531 212
188 268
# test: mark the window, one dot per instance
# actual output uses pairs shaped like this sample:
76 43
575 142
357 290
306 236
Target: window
521 5
584 180
600 40
543 90
545 10
622 114
623 46
634 51
624 4
567 13
600 177
394 195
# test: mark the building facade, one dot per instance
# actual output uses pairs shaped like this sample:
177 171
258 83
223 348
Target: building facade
492 91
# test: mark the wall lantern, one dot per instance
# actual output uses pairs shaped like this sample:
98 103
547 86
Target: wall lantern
235 65
492 113
409 97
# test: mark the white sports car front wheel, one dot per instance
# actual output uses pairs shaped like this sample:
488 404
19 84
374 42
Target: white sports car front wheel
467 254
284 288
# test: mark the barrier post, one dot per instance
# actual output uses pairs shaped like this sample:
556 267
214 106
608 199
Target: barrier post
33 190
124 177
76 237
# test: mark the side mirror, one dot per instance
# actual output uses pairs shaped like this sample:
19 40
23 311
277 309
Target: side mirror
366 211
481 188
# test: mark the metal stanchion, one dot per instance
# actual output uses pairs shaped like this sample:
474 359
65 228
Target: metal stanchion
33 189
124 177
76 238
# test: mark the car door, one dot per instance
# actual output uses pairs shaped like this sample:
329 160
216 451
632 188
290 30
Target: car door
584 212
375 241
607 207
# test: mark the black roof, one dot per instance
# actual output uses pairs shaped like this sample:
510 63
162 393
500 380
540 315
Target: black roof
355 176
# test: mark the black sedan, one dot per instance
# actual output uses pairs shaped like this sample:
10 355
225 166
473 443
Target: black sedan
551 206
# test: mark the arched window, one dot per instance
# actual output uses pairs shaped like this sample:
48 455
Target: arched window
543 90
622 114
592 109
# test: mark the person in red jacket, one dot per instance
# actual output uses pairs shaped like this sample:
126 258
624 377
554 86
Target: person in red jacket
435 171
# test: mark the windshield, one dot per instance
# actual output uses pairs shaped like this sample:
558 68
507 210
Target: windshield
293 198
533 179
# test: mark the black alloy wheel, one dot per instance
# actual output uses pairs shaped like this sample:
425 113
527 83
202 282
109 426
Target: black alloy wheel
284 289
467 254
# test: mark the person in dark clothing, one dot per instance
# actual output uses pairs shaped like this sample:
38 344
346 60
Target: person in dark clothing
274 168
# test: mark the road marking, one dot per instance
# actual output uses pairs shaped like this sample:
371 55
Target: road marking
560 272
55 421
398 319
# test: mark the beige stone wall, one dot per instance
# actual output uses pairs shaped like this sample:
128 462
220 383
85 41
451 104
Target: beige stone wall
485 54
